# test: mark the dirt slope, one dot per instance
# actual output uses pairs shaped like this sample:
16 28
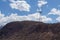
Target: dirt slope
30 30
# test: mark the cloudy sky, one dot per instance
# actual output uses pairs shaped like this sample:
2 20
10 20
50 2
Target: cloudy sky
20 10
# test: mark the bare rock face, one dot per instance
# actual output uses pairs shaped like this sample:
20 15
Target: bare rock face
30 30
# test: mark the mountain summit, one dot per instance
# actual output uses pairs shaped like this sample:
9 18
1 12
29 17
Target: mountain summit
30 30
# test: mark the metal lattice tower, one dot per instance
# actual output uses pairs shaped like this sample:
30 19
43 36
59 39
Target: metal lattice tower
39 11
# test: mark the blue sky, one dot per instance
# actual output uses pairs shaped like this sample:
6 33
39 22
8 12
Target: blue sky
50 9
5 7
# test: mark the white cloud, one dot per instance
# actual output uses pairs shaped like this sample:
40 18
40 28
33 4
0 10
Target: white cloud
41 3
54 11
58 19
20 5
15 0
45 19
1 15
15 17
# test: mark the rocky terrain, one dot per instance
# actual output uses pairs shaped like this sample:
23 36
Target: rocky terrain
30 30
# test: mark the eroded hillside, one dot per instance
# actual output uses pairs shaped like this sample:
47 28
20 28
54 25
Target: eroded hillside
30 30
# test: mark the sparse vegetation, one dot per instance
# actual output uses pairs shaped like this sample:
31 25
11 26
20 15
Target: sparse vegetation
30 30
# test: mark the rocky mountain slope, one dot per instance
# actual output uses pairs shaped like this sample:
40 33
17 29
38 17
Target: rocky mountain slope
30 30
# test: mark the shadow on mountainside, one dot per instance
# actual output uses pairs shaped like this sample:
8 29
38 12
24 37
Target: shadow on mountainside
30 30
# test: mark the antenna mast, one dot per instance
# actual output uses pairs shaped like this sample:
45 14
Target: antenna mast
39 10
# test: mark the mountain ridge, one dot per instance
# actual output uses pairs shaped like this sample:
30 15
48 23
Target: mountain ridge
30 30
